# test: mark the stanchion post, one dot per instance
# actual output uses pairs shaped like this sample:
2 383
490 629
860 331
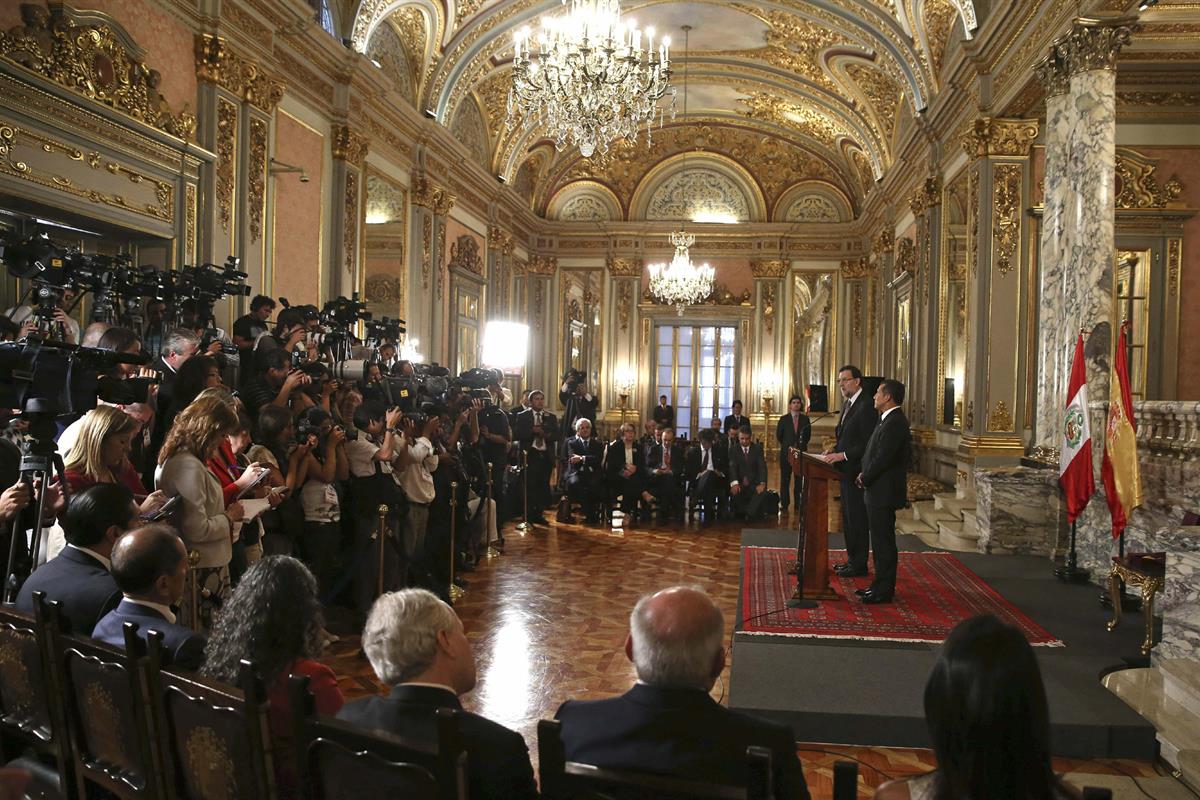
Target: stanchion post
524 525
491 552
454 592
798 600
381 535
193 560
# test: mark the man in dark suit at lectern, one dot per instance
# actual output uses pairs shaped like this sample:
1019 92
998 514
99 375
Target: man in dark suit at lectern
884 476
853 431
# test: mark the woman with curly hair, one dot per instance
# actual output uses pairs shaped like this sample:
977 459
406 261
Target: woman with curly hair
203 520
274 620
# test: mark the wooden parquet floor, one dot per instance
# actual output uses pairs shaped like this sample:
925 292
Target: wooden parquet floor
548 620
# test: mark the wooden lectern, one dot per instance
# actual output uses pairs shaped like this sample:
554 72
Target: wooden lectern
818 477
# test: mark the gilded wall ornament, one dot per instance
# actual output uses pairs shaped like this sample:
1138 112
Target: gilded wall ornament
1174 261
854 268
500 240
426 249
973 220
768 307
348 145
1052 73
721 296
625 266
906 257
539 300
624 301
350 223
769 268
542 265
856 310
440 223
991 136
1000 419
218 64
927 195
91 60
256 191
882 242
383 288
1094 44
1006 215
464 255
189 229
969 421
1137 185
227 115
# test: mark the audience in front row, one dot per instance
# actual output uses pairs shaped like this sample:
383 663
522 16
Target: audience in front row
668 723
150 566
80 577
417 646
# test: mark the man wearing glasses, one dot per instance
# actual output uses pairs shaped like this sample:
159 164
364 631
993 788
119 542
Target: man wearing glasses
853 431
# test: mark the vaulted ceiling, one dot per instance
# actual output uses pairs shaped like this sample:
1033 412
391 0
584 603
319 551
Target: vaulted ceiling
790 92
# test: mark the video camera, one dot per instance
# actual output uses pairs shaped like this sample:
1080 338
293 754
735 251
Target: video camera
385 329
208 283
573 377
65 375
342 312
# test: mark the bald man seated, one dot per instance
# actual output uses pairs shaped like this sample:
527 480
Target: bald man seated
668 723
150 566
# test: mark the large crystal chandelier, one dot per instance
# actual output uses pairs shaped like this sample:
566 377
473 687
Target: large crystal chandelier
588 79
681 283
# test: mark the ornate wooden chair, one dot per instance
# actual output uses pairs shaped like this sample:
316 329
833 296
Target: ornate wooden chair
845 780
107 711
215 739
339 761
568 780
32 729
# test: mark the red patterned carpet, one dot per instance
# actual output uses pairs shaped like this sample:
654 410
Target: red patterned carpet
934 592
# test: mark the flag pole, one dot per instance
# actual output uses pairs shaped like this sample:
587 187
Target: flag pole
1070 571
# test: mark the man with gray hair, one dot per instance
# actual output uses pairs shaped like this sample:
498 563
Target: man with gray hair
668 723
416 645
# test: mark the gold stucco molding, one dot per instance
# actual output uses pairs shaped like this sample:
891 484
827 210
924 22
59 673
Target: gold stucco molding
769 267
499 239
993 136
853 268
625 267
1052 73
542 265
348 145
1094 43
882 242
927 195
427 194
218 64
1138 185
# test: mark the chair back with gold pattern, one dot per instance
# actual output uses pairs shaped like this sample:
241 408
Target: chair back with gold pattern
214 738
104 691
339 761
30 703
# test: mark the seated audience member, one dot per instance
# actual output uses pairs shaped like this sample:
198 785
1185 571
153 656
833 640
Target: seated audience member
985 707
706 469
583 454
100 454
666 462
668 723
416 645
79 577
275 383
273 619
747 476
150 566
203 519
625 470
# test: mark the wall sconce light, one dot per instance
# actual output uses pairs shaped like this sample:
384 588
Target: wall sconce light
279 168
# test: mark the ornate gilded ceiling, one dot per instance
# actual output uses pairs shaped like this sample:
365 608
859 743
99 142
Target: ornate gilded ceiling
791 91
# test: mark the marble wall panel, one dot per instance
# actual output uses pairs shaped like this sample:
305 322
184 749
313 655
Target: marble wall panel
1179 602
1017 510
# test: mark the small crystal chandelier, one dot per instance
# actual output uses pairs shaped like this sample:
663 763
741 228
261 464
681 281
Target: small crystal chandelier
681 283
588 80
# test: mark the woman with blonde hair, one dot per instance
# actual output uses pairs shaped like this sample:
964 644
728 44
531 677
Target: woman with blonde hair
101 455
203 520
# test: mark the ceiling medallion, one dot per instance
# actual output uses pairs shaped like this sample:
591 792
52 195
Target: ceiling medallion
587 78
681 283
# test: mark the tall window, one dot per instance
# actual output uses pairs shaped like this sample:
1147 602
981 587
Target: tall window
695 370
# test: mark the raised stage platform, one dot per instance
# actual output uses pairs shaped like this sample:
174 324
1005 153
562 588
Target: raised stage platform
847 691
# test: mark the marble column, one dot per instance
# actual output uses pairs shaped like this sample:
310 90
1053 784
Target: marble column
1054 342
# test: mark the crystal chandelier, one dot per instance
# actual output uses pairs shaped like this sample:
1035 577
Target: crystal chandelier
587 78
681 283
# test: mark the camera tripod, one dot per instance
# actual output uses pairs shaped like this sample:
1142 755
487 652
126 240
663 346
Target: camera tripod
40 463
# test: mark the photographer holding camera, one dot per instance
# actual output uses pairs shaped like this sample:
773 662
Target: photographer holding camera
276 383
416 479
326 464
381 442
65 328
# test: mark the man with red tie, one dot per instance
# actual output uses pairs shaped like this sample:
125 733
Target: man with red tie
666 463
747 476
792 431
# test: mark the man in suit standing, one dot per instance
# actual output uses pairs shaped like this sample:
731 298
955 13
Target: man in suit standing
668 723
666 463
735 420
792 432
583 484
747 476
150 565
884 476
79 577
853 431
664 413
537 431
416 645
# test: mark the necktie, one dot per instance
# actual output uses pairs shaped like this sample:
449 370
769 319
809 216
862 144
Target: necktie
704 466
666 457
745 451
795 423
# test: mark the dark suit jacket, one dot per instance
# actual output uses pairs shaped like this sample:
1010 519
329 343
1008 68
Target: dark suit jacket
854 432
497 758
183 647
678 460
79 582
752 469
523 429
678 732
592 452
695 459
614 459
734 422
664 415
885 463
787 436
